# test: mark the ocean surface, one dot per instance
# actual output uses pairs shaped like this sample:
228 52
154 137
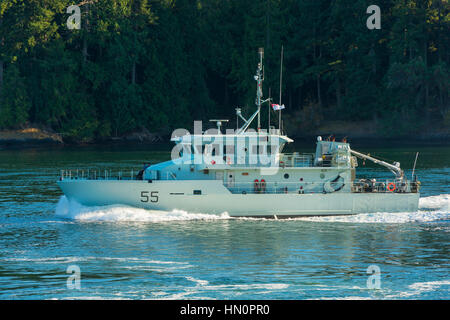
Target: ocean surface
51 248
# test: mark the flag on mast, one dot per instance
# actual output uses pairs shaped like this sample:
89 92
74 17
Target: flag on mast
276 107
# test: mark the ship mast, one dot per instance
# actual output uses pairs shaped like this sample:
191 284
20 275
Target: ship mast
281 85
259 77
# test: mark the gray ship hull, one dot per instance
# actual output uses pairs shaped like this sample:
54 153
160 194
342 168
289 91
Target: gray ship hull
213 197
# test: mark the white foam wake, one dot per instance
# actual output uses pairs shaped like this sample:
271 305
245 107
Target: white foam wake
417 289
441 202
432 208
73 210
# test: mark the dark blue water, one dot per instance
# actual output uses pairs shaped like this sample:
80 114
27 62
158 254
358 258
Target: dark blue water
127 253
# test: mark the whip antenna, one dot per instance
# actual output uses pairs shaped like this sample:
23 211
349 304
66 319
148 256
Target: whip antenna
414 168
268 127
281 84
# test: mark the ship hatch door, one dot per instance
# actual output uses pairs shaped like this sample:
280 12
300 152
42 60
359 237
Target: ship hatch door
230 179
219 175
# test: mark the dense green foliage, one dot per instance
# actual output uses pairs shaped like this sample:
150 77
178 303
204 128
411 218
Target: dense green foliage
160 64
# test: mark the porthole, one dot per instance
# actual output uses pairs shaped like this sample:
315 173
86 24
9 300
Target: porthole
286 176
322 176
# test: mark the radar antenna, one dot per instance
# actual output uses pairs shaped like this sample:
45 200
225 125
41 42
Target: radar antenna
259 77
219 123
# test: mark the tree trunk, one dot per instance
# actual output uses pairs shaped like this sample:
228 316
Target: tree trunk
85 50
1 85
438 37
300 98
290 98
1 77
317 58
268 25
226 98
319 94
338 93
133 74
85 26
1 65
427 90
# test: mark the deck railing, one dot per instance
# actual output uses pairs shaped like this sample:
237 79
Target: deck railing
301 187
95 174
296 159
357 186
89 174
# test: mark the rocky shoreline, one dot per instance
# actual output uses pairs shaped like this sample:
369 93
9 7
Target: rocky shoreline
29 137
35 137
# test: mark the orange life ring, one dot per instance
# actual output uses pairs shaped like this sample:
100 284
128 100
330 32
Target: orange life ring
391 184
263 185
256 185
213 162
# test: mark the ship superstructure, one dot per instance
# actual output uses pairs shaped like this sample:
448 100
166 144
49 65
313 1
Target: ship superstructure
244 172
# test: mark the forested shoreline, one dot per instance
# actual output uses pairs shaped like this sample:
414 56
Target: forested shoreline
156 65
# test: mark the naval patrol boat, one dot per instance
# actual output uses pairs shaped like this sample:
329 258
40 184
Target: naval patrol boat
244 172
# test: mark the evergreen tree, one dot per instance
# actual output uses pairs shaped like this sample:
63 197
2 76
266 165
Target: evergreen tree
14 100
161 64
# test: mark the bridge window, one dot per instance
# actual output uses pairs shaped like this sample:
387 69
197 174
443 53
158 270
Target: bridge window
229 149
215 150
256 149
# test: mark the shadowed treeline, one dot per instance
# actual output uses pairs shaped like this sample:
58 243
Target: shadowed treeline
161 64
